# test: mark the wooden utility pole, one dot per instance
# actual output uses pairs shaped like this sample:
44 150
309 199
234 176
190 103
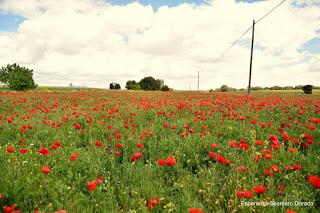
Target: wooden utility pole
249 86
198 80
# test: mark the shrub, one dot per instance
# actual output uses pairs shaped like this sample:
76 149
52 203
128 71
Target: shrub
165 88
307 89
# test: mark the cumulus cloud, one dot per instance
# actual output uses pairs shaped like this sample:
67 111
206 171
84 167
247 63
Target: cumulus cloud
91 42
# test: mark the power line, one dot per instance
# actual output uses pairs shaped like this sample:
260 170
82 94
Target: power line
237 41
270 11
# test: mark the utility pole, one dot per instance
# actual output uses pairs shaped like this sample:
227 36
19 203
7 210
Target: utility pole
198 80
249 86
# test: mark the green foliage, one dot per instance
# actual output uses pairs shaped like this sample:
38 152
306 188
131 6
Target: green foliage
165 88
307 89
132 85
149 83
115 86
17 78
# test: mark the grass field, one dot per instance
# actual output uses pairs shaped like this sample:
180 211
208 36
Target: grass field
121 151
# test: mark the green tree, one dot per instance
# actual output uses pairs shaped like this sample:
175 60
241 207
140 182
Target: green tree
117 86
132 85
17 78
165 88
149 83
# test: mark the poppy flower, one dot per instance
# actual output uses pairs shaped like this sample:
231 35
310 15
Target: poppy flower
315 181
243 168
61 211
46 170
136 156
56 145
268 156
290 211
162 162
214 146
165 125
212 155
92 185
9 209
195 210
259 143
74 156
267 172
118 145
117 152
259 189
244 194
23 150
98 143
10 149
100 179
44 151
140 146
171 161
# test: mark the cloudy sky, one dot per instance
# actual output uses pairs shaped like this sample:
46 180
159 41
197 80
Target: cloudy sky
95 42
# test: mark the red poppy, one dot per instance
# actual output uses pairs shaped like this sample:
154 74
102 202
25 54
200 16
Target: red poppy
56 145
98 143
244 194
46 170
267 172
268 156
136 156
290 211
44 151
61 211
315 181
162 162
212 155
23 150
259 189
10 149
195 210
140 146
74 156
1 196
165 125
117 152
100 179
171 161
9 209
118 145
92 185
214 146
259 143
243 168
297 166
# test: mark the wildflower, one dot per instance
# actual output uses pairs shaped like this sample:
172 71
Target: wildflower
46 170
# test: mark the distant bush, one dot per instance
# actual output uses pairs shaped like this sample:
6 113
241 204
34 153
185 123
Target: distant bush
133 85
307 89
114 86
17 78
165 88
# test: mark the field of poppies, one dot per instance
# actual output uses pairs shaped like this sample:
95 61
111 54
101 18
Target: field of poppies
120 151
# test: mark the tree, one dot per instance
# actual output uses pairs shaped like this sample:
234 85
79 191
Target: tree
117 86
307 89
224 88
70 85
17 78
149 83
165 88
132 85
112 86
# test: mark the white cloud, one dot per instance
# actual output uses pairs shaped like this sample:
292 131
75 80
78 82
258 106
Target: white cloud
90 42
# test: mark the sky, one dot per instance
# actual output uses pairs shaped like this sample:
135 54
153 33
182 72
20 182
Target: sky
95 42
